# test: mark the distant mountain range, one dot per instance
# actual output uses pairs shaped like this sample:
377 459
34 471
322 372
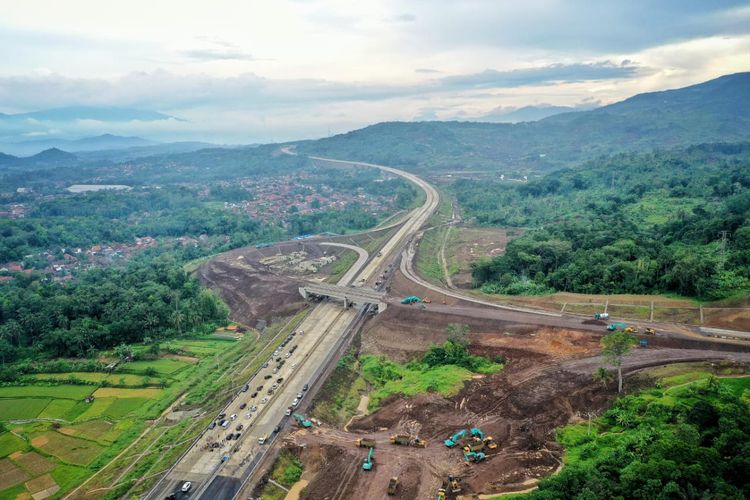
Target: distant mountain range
99 142
713 111
529 113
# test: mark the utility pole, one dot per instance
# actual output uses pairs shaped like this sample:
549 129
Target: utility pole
724 234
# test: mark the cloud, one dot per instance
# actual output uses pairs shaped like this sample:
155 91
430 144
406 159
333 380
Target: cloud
427 70
216 49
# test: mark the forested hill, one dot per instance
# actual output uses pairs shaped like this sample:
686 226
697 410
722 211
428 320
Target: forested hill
714 111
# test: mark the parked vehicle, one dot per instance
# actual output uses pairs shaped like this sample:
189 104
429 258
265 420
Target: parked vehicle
186 487
243 406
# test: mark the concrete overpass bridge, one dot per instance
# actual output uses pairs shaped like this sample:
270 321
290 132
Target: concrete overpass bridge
349 295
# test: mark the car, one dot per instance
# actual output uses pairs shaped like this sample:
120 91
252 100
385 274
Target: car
299 396
230 436
295 402
260 388
305 387
233 416
278 359
276 429
275 386
288 411
265 365
212 425
288 354
294 365
243 406
186 487
244 389
248 415
270 391
275 370
171 496
264 400
266 377
301 332
221 416
239 427
280 380
253 408
224 423
255 394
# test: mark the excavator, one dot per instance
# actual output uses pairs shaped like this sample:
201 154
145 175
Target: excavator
302 421
490 443
369 461
475 456
477 433
411 299
453 440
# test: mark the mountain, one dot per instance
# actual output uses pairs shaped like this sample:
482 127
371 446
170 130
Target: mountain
131 153
99 142
527 113
98 113
52 157
713 111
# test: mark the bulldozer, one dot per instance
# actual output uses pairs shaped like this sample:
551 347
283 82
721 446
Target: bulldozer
490 443
366 443
392 485
419 443
650 331
453 484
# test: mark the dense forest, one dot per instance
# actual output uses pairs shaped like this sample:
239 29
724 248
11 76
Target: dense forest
689 445
675 222
153 297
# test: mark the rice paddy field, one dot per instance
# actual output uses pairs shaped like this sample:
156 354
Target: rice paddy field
60 428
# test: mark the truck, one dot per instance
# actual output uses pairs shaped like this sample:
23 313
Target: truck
401 439
479 446
392 485
601 316
366 443
302 421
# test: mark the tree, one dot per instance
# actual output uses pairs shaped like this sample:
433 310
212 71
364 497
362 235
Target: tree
614 348
603 375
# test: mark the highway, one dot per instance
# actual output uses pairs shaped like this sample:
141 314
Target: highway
219 473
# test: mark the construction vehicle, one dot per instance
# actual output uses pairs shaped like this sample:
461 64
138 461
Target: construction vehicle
477 432
621 327
474 456
426 300
440 494
453 440
302 421
474 447
601 316
650 331
419 443
369 461
490 443
392 485
454 485
366 443
411 299
401 439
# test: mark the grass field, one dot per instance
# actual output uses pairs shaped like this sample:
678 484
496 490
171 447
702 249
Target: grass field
68 449
21 408
162 366
118 379
40 391
10 443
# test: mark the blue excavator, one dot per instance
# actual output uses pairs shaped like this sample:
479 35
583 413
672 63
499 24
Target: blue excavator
302 421
369 461
453 440
477 432
475 456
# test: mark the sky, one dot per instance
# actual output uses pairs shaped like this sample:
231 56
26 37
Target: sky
247 71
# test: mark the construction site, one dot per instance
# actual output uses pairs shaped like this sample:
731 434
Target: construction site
546 382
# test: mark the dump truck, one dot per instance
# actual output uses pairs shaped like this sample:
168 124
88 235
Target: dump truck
453 440
366 443
411 299
369 461
601 316
392 485
402 439
474 447
302 421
